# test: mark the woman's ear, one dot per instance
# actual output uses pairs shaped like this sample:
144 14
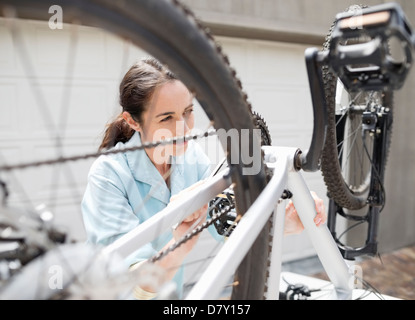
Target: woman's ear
131 122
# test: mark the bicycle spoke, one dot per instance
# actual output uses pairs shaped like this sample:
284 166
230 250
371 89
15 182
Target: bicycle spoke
64 112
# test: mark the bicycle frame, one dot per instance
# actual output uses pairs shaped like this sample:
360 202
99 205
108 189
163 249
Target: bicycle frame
286 164
223 266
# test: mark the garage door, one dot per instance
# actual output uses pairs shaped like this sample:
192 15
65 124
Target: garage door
273 75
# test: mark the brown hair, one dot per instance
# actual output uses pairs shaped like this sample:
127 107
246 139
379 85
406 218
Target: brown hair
136 90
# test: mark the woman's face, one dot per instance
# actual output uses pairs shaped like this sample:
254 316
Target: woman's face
168 115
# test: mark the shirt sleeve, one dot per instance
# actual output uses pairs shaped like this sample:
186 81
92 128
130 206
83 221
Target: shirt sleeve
108 215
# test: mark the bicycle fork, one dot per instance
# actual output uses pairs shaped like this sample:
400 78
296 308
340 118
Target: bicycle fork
376 124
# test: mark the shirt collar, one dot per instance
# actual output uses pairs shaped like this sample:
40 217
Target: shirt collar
144 170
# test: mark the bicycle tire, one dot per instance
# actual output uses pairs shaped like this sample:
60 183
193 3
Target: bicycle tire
347 194
170 32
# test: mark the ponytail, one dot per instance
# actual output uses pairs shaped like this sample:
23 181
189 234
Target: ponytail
116 131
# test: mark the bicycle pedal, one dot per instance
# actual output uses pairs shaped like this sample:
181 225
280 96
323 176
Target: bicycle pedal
360 48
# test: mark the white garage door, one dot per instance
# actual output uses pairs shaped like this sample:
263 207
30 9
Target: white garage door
273 75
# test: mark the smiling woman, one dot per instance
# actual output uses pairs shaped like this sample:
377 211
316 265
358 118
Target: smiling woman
126 189
165 118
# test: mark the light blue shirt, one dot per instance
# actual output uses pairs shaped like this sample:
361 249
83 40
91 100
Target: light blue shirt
125 189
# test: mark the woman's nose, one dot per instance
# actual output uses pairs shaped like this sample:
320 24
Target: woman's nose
182 128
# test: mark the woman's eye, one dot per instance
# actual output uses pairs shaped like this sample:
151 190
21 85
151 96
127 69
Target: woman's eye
166 119
188 112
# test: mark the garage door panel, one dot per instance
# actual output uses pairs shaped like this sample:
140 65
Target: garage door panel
7 56
238 53
9 127
85 49
288 105
285 65
78 112
54 185
54 49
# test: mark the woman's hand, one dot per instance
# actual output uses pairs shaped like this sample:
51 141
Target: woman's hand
174 259
192 221
293 224
187 225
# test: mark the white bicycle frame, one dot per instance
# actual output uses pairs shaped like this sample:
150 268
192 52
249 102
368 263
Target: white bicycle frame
223 266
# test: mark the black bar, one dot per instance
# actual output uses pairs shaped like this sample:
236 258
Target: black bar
310 160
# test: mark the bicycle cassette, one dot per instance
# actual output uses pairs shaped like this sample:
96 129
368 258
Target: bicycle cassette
222 208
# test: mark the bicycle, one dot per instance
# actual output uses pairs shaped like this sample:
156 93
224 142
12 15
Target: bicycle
360 111
189 50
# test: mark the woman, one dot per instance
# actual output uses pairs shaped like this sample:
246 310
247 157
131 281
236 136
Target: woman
125 189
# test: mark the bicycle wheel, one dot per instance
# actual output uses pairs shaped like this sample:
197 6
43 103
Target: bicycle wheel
347 161
168 31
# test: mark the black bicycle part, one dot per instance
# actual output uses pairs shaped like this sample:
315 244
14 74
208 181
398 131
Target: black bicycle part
169 31
376 196
298 291
227 222
364 68
369 66
310 160
261 124
345 194
371 218
5 191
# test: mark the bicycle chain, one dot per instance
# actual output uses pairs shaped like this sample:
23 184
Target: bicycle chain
146 145
193 233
